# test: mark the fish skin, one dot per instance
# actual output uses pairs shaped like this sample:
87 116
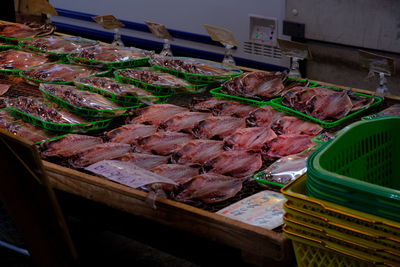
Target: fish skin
263 117
198 151
177 172
284 145
163 143
217 127
145 161
129 133
156 114
184 121
294 125
249 138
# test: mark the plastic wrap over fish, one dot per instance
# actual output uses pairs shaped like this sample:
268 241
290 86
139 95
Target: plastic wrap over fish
21 31
20 60
58 44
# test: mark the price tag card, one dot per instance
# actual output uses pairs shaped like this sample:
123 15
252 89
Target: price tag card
39 7
159 30
221 35
376 62
294 49
264 209
108 22
127 173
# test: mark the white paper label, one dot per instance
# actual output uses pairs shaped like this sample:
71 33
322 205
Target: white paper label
264 209
127 173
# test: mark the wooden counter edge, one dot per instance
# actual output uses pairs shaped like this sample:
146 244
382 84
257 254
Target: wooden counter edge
249 239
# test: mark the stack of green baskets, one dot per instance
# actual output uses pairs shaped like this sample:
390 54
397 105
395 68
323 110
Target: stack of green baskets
358 169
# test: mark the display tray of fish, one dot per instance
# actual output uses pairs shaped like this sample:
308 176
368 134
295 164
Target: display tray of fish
193 69
15 60
110 54
22 129
52 117
58 73
55 44
156 81
17 31
326 106
119 92
82 102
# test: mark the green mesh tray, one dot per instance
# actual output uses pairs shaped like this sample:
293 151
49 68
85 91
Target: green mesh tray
199 78
116 65
158 89
277 104
125 99
50 139
86 112
4 47
37 82
58 127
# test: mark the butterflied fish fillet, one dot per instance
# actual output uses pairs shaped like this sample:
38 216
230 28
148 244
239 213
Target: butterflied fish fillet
249 138
235 163
293 125
156 114
288 144
69 145
330 107
145 161
218 127
390 111
100 152
233 109
177 172
359 101
127 134
210 188
198 151
263 116
184 121
163 143
206 104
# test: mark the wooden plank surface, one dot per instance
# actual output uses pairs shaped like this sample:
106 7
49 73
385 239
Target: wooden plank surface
252 240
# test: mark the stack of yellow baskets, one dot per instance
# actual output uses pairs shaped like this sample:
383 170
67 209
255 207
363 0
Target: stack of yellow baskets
328 234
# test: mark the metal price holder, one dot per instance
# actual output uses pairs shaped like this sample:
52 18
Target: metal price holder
160 31
226 38
109 22
296 51
377 64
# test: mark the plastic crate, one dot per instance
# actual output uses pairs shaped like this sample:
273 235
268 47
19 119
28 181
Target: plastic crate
125 99
277 104
199 78
104 113
335 214
358 168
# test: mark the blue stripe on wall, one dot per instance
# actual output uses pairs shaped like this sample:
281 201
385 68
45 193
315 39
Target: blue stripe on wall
157 46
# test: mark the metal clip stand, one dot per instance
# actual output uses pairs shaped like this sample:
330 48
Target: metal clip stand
166 51
117 38
382 88
228 58
48 19
294 68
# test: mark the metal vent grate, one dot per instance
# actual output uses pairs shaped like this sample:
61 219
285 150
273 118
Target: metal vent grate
262 50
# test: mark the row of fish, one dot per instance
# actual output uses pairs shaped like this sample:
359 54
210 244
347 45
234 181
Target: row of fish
58 44
20 60
20 31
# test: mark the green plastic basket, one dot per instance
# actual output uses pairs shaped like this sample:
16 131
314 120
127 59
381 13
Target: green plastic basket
86 112
4 47
125 99
358 168
277 104
199 78
59 127
158 89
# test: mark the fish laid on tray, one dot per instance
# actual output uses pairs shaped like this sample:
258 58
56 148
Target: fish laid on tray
98 153
68 145
293 125
82 99
156 114
21 128
252 138
287 144
221 107
119 89
198 151
145 161
129 133
110 53
189 65
163 143
57 44
210 188
41 110
258 85
179 173
218 127
21 31
20 60
324 104
158 79
235 163
184 121
263 116
52 72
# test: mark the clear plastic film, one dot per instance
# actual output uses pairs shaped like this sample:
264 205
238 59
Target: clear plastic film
58 44
20 60
21 31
